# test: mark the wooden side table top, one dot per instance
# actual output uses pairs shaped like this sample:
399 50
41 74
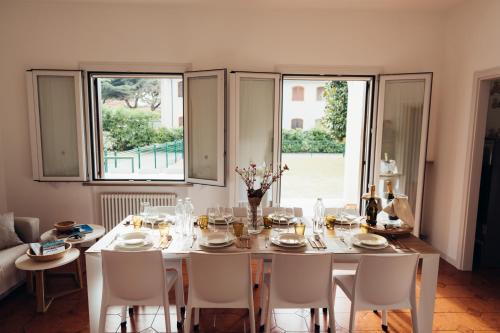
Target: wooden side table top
25 263
97 232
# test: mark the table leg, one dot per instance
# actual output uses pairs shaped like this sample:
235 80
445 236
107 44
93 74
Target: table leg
428 285
41 304
29 282
79 278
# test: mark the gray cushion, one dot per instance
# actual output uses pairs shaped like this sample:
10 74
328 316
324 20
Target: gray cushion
8 236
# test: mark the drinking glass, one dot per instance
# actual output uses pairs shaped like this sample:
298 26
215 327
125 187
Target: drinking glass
164 228
238 227
300 228
137 222
203 222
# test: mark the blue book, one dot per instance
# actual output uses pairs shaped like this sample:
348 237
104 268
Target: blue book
85 228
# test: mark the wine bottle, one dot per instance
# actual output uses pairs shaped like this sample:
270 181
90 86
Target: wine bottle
371 208
390 197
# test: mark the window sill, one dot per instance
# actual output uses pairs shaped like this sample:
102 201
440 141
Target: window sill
137 183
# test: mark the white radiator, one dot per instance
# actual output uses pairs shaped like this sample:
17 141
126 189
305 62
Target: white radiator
116 206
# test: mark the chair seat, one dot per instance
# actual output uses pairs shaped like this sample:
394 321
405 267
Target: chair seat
346 283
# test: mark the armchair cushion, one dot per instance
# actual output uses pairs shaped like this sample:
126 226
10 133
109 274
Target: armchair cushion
8 236
28 228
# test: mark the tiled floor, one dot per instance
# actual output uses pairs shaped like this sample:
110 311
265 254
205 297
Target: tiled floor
466 302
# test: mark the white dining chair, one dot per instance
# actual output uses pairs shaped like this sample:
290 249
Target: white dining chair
136 278
299 281
175 265
239 212
219 280
383 282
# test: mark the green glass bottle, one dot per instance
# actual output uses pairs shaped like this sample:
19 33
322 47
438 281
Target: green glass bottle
371 208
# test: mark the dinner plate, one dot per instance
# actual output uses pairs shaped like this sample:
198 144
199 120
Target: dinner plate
281 220
123 247
219 220
370 241
218 238
289 240
205 243
349 219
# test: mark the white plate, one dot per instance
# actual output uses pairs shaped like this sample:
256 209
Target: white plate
286 240
218 238
219 220
282 220
370 241
120 246
204 243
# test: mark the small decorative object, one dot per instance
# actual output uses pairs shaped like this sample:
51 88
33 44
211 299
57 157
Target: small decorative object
265 177
64 226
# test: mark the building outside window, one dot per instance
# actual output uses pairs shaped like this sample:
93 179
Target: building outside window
297 123
298 94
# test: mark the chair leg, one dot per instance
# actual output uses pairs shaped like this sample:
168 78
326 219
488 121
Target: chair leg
264 298
196 316
317 313
258 272
414 319
102 318
251 318
331 310
187 320
384 321
268 318
352 319
123 315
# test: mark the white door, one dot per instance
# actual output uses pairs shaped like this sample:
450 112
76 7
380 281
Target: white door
401 136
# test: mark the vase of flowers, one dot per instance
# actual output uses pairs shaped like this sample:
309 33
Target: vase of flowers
265 177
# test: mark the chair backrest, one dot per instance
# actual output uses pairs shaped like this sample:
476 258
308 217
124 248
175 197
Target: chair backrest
167 210
220 279
304 279
134 276
385 279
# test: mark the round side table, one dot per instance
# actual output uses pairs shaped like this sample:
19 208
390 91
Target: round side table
38 268
97 232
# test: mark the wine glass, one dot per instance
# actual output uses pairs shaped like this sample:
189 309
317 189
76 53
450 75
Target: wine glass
227 214
289 216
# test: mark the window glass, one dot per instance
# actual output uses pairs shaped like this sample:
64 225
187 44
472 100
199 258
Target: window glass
297 93
140 134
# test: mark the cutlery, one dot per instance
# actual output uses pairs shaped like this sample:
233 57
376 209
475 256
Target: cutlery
267 241
194 240
343 241
320 241
313 243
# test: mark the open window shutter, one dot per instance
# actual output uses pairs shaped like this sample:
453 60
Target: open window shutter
56 125
256 122
401 139
204 126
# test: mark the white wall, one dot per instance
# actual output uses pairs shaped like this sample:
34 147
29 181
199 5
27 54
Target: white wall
59 35
470 44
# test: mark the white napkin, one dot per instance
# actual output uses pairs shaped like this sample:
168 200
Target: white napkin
400 207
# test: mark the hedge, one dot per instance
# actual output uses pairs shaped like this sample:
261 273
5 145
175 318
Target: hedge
126 129
310 141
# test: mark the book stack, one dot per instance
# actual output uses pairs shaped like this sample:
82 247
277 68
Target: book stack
79 230
52 247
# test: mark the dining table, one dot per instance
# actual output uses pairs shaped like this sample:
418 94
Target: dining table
260 247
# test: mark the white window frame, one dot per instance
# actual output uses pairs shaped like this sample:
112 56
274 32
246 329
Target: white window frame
220 74
427 77
35 126
96 160
235 128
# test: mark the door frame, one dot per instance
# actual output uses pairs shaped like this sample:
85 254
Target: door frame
474 153
368 128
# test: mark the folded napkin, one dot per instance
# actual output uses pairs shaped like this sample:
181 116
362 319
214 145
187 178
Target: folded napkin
400 207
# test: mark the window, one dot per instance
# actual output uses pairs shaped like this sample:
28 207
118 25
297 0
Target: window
297 93
56 125
137 125
180 89
136 137
319 93
297 123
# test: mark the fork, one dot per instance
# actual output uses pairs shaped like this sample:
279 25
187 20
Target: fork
267 241
194 240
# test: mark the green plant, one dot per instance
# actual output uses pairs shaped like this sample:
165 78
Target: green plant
316 140
335 117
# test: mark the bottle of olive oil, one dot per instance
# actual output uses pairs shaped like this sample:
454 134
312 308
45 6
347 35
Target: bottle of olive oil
390 197
371 208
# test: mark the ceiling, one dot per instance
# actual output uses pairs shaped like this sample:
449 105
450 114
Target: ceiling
397 5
